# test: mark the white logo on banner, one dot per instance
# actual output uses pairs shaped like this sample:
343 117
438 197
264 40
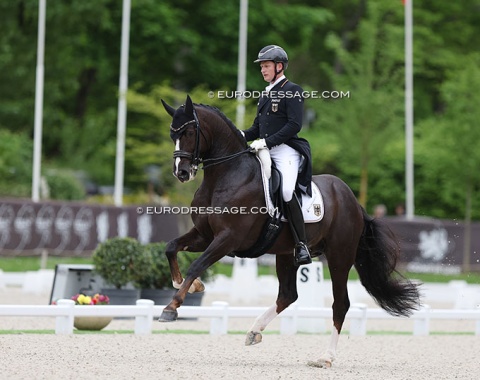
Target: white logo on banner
23 225
434 244
6 217
144 229
102 226
63 226
122 225
43 224
82 224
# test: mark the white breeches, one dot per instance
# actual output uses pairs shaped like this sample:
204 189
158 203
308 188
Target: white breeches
287 160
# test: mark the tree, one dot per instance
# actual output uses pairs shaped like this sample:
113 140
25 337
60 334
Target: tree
367 121
352 45
15 164
455 135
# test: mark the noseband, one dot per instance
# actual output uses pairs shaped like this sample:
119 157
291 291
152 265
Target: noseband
195 156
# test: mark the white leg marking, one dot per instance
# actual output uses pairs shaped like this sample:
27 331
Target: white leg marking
263 320
332 348
327 358
254 336
177 286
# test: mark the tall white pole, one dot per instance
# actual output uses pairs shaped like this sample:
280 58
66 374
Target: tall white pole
37 133
242 62
122 105
241 267
410 207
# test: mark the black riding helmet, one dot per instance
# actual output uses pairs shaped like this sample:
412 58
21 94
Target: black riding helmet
273 53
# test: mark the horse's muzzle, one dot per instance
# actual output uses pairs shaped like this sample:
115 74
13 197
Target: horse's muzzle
182 175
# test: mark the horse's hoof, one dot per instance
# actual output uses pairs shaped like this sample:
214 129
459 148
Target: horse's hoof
253 338
321 363
168 316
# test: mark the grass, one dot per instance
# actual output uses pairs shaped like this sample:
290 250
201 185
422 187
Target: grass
22 264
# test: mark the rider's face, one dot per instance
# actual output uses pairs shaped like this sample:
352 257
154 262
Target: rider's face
267 69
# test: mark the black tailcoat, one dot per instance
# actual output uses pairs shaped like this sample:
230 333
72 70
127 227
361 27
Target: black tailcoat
278 121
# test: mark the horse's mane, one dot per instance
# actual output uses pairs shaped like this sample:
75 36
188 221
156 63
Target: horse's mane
223 117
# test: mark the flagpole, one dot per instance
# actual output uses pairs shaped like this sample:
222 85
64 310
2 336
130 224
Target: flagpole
39 80
122 105
242 62
410 207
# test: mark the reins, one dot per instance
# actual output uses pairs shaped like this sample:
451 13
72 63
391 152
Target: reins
220 160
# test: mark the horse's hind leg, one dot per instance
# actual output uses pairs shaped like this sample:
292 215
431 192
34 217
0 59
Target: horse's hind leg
287 294
339 265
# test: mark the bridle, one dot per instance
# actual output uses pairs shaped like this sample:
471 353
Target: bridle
195 156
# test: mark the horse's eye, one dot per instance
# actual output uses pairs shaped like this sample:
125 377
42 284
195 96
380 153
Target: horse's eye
189 133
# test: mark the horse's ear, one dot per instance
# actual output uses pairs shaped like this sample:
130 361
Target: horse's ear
188 106
170 110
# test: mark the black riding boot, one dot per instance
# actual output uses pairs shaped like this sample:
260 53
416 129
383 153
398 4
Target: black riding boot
295 219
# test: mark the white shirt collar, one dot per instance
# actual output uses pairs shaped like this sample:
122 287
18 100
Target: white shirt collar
272 85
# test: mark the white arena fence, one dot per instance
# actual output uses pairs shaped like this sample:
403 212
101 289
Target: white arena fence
219 313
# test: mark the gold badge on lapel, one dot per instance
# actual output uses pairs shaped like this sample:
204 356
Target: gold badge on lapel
274 107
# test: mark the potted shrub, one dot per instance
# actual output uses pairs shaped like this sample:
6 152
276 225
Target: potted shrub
114 261
153 277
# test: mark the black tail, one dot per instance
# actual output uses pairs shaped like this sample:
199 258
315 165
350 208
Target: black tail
375 263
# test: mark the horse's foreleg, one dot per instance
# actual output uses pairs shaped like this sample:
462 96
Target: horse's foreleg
192 242
287 294
214 252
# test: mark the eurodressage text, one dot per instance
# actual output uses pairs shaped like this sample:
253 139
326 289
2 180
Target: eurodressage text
208 210
280 94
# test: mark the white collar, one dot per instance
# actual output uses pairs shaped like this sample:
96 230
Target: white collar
272 85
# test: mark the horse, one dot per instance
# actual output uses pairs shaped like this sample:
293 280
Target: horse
347 236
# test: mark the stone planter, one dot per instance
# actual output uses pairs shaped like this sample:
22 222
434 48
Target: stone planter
91 323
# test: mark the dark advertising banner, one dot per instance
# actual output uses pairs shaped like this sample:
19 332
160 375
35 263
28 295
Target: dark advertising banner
68 229
433 245
75 229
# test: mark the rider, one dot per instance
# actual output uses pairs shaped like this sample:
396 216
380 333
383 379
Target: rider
278 120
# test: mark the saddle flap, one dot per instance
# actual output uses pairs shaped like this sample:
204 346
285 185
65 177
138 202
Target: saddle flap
274 183
312 207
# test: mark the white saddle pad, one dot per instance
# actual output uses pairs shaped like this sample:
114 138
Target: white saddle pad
312 207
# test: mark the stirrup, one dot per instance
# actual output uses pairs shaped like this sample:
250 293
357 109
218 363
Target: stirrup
302 255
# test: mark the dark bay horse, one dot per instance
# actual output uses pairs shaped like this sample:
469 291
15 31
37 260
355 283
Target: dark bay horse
347 236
